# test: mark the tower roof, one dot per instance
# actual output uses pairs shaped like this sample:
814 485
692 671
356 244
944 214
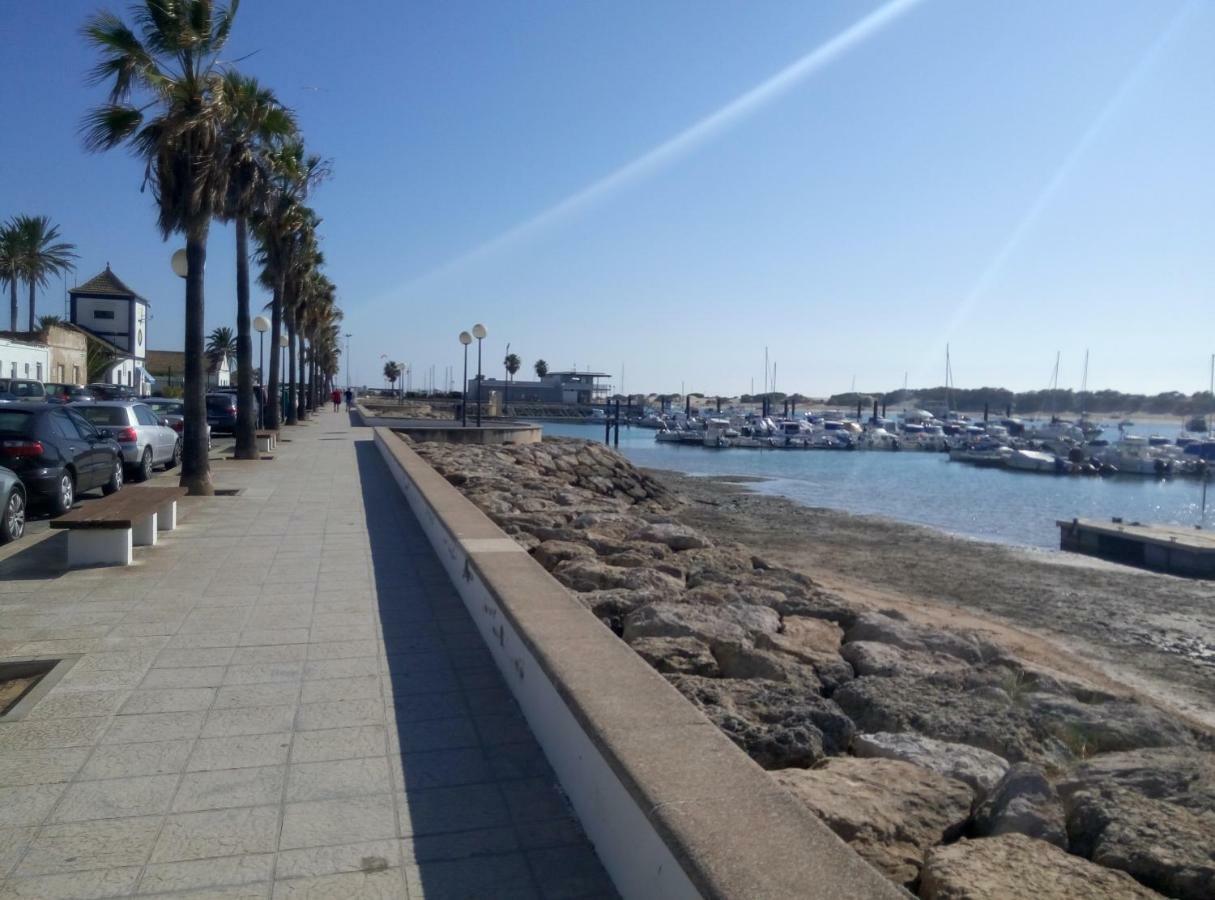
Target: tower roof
106 284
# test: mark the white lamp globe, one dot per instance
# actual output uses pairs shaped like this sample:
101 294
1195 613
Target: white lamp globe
282 340
180 264
261 324
465 338
479 331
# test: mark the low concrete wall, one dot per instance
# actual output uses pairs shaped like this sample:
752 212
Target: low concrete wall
674 809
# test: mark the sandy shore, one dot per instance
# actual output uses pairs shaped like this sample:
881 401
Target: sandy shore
1154 634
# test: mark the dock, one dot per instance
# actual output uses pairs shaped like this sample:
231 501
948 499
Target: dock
1162 548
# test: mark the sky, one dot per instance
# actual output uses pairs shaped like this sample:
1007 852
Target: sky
664 190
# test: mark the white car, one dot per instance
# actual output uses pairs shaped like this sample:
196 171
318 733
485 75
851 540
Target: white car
146 439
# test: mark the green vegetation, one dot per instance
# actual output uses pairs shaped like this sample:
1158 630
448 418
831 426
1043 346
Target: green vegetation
541 368
1032 402
30 251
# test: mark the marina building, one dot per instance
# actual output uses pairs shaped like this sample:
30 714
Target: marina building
570 388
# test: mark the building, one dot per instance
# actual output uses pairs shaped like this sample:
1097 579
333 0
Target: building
56 354
167 368
573 388
117 317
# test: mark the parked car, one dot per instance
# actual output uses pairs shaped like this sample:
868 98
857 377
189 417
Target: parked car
221 412
67 393
146 439
103 391
18 389
12 514
173 409
57 453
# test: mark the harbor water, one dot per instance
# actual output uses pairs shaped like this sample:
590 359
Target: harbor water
925 488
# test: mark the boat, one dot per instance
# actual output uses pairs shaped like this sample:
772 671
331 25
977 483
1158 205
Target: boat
1032 461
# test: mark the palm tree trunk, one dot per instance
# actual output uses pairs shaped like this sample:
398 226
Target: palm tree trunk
12 294
302 397
273 413
246 421
292 409
195 466
32 286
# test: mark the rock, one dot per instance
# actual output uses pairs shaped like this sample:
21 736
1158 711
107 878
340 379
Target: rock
885 660
615 604
736 659
711 624
1024 802
1180 775
588 574
677 537
888 811
1164 846
551 553
1090 728
681 655
1016 867
977 768
778 724
886 629
811 642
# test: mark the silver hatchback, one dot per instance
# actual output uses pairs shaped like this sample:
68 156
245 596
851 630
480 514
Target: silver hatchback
146 439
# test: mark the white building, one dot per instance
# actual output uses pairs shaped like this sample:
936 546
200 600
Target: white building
24 359
115 314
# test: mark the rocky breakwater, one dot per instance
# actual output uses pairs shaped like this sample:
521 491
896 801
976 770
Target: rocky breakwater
957 769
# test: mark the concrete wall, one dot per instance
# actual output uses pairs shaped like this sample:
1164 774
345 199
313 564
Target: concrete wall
674 809
21 359
68 355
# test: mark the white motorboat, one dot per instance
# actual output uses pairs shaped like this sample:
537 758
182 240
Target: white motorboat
1032 461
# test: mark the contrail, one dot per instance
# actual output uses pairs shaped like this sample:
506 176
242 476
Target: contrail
687 140
1044 197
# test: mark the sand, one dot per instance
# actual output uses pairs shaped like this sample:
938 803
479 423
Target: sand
1122 627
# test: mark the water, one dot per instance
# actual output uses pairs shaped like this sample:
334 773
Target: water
924 488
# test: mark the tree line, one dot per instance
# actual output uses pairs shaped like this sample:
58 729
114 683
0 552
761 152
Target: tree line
218 145
1168 403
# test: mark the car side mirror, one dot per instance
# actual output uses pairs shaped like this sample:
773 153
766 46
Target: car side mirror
163 421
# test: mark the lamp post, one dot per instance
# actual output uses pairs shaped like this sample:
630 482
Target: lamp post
261 325
347 359
479 333
465 339
282 367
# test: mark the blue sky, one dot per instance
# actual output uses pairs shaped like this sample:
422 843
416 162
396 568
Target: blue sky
1011 178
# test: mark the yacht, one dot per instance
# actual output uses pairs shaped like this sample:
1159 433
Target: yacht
1032 461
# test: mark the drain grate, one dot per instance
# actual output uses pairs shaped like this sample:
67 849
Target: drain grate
23 682
228 492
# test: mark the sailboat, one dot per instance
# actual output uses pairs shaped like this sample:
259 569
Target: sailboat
1091 429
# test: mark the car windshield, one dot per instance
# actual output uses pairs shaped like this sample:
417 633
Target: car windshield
220 404
104 415
15 421
27 389
164 405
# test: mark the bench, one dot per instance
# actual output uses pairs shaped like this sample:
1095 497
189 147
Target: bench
102 532
267 440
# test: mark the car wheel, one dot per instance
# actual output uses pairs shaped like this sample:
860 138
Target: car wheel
12 526
144 472
65 496
175 459
114 485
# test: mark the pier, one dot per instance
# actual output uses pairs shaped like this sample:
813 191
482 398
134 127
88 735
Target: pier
1163 548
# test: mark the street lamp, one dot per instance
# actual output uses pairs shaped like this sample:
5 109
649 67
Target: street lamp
282 364
347 359
465 339
180 263
261 325
479 333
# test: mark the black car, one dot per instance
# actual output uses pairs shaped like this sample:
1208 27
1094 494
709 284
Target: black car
221 412
56 453
17 389
102 391
67 393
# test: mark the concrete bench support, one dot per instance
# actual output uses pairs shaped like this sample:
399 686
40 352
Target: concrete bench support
143 534
265 444
166 517
100 547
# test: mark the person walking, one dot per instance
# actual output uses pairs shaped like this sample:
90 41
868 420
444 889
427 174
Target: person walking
349 399
336 397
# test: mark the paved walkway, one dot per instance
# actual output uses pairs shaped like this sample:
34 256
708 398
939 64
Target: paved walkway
285 698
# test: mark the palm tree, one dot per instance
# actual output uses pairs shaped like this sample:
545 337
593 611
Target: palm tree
42 254
256 124
45 323
10 267
541 368
392 371
512 363
166 102
221 345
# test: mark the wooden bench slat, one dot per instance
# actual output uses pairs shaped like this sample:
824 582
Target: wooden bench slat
119 510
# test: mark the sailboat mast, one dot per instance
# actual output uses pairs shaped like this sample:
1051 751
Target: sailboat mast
1084 383
948 377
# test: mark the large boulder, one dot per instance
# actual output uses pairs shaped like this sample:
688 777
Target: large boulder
1024 802
778 724
887 629
677 655
740 659
590 574
811 642
552 553
677 537
1181 775
885 660
1016 867
711 624
1164 846
1105 727
889 811
978 768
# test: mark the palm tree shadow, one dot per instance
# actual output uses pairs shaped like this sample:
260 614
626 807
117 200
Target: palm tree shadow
485 817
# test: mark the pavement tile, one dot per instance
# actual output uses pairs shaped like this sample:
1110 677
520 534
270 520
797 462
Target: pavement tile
13 841
435 734
28 804
127 760
114 798
338 778
341 689
315 861
248 720
207 873
339 743
154 727
106 843
182 658
379 885
77 704
224 788
256 673
425 848
90 885
206 676
19 767
49 733
170 700
339 714
462 808
274 653
244 751
505 877
440 768
225 832
331 822
277 693
340 667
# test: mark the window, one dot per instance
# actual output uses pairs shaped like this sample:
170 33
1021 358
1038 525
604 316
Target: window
105 415
38 375
145 416
83 426
75 374
13 374
59 373
65 426
128 378
27 370
103 314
